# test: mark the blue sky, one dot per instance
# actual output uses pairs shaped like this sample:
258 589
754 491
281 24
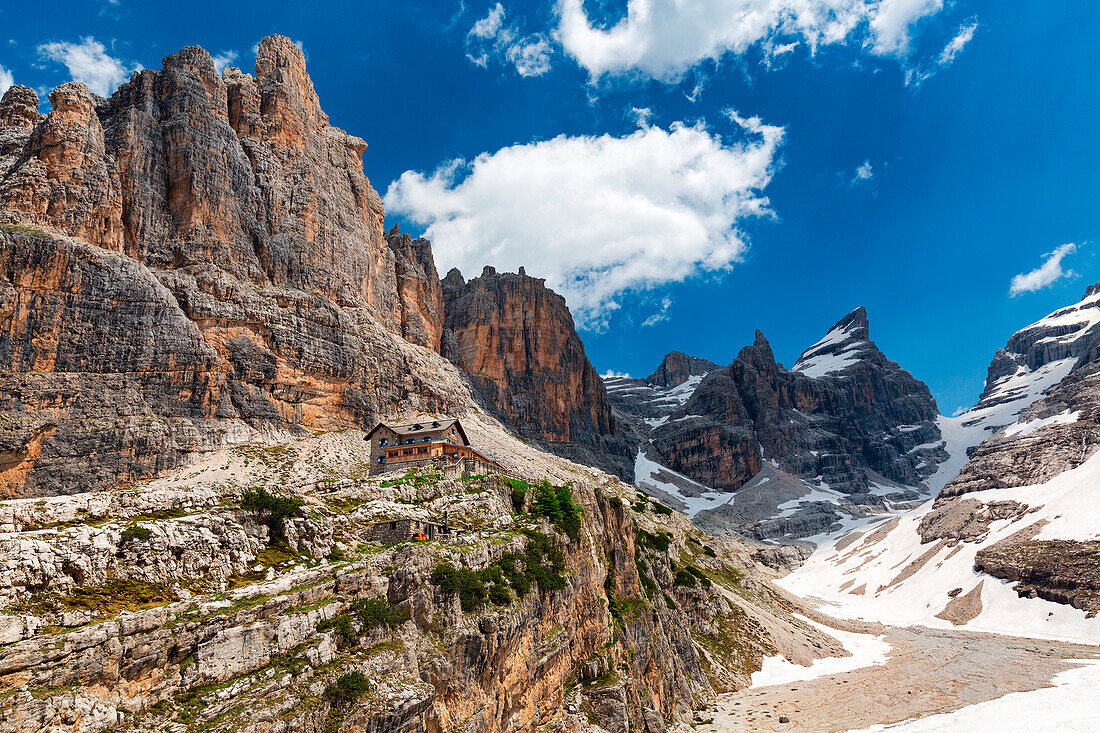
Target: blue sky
697 173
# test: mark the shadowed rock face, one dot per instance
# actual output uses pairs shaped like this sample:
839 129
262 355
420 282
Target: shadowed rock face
233 275
842 411
676 368
516 340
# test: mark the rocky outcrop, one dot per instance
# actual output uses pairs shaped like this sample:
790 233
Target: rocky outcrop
843 414
419 291
1063 571
227 275
677 367
1041 411
516 340
200 622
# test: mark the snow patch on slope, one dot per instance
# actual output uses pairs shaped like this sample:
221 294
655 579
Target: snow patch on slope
685 494
894 579
865 650
1069 705
820 359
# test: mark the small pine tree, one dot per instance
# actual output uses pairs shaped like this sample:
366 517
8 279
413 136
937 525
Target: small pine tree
546 501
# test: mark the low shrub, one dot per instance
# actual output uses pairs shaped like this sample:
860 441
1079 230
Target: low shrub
347 689
277 509
134 532
379 612
684 578
541 563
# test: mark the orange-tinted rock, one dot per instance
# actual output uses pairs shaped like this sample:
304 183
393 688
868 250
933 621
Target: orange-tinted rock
516 340
249 286
418 289
184 167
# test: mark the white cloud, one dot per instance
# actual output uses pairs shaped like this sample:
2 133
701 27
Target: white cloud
88 62
864 172
892 22
1046 274
6 80
491 37
641 116
609 373
661 315
530 55
598 215
665 38
958 43
223 59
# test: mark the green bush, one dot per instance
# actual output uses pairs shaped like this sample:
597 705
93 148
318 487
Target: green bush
379 612
134 532
703 579
277 508
499 594
643 573
659 542
660 508
546 502
345 632
684 578
709 552
347 689
541 563
466 583
556 504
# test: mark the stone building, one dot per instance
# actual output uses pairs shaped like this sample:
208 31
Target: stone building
404 530
433 441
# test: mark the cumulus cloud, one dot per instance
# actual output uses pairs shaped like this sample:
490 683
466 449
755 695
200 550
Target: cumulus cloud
1046 274
89 62
665 38
622 375
599 215
223 59
958 43
492 37
864 172
6 80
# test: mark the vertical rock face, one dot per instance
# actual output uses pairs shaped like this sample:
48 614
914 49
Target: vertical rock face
843 414
418 288
227 275
677 367
516 340
1044 387
183 167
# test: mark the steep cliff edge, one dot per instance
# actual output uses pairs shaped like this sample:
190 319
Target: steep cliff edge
516 340
228 275
176 607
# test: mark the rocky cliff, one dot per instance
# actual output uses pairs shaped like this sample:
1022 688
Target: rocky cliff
843 411
516 340
197 304
1037 421
197 259
677 368
844 432
174 606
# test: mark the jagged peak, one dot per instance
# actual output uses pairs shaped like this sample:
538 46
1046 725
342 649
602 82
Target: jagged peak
856 324
677 367
844 345
1092 290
